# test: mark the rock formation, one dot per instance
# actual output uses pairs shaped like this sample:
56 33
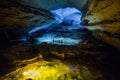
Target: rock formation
53 4
103 18
15 16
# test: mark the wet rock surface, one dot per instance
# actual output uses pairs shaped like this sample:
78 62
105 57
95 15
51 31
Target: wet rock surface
93 59
96 57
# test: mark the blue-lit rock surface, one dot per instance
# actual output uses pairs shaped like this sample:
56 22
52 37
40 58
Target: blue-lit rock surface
53 4
67 15
64 30
60 34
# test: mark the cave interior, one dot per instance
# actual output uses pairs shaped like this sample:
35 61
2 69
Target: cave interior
59 40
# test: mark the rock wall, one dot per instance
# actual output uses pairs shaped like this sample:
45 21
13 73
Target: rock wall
30 13
17 16
53 4
101 16
102 10
103 19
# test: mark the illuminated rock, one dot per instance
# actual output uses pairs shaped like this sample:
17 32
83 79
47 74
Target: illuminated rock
44 70
65 39
102 11
72 19
67 15
103 19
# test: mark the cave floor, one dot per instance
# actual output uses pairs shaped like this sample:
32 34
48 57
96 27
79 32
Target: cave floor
92 61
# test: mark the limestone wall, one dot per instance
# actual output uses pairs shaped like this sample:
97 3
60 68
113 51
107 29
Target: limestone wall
102 10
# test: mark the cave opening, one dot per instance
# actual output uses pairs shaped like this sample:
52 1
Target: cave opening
66 29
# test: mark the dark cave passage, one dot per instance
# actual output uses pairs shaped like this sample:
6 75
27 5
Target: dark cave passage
59 40
64 30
